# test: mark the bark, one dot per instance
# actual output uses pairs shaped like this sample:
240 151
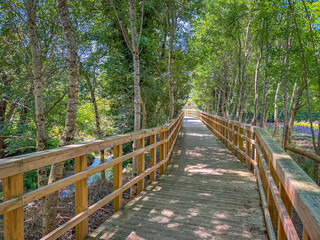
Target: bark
293 110
172 36
263 121
144 115
256 85
97 119
136 66
276 123
38 85
50 207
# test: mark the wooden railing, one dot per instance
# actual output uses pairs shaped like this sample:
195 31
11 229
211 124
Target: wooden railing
283 185
12 169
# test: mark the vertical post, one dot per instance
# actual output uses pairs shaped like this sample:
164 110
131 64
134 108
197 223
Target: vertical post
248 149
288 204
305 235
230 134
162 151
117 178
240 144
235 139
153 154
168 145
13 221
140 169
81 196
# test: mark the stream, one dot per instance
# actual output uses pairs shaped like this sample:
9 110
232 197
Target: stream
67 191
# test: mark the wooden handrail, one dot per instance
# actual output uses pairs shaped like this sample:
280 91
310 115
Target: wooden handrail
283 185
11 170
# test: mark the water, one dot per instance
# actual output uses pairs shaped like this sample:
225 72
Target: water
67 191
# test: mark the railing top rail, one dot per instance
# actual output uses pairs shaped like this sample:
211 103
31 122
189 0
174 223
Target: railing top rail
302 191
237 123
23 163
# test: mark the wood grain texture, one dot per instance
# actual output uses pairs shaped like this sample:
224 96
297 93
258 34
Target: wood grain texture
13 221
117 178
81 196
206 193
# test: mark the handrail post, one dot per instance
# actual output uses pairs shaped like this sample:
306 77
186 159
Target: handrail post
230 126
289 207
168 145
235 139
81 196
141 143
13 221
248 149
162 151
117 178
153 155
240 144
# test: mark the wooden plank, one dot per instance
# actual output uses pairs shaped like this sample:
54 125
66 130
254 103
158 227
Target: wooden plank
13 221
81 196
141 164
235 139
241 143
248 149
305 235
153 157
117 178
288 204
162 151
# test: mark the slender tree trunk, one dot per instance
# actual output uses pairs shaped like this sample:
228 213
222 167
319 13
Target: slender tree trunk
293 110
97 118
256 85
50 207
265 88
172 36
276 122
144 115
38 85
136 66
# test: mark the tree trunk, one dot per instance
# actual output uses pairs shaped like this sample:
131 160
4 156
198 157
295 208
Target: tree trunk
38 85
50 207
172 35
97 118
144 115
136 66
256 83
276 123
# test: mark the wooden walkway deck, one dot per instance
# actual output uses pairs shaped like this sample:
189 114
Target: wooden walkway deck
205 194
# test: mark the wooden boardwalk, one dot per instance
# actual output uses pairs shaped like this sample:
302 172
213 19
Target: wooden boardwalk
206 193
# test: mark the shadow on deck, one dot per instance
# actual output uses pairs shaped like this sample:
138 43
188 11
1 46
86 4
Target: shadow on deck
206 193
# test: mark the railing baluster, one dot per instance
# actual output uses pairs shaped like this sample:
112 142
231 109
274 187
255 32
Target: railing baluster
240 144
153 156
305 235
141 143
117 177
248 149
13 221
230 135
289 207
162 151
81 196
235 139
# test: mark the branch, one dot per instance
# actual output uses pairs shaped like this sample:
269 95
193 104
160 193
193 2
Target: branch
124 32
18 137
55 103
15 149
141 21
